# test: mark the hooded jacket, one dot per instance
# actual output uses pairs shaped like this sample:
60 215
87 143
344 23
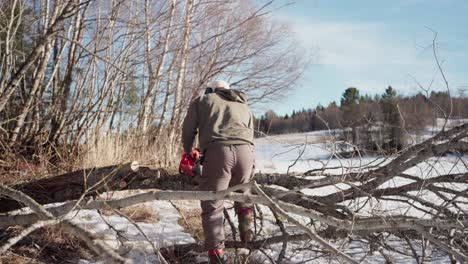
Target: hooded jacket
222 117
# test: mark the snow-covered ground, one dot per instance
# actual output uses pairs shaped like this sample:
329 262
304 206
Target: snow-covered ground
280 153
164 232
296 153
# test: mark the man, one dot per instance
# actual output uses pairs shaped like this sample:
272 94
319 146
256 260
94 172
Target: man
224 125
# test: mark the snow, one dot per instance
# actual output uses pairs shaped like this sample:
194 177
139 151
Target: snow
275 156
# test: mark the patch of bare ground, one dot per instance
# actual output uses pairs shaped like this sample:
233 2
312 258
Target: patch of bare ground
13 258
138 213
47 245
191 221
141 213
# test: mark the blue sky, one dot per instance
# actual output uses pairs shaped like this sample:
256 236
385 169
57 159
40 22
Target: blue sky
373 44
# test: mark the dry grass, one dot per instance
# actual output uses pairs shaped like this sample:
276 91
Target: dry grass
141 213
107 212
109 149
17 170
191 222
105 150
12 258
138 213
48 245
97 150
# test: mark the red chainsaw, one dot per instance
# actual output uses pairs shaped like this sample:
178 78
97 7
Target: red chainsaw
190 164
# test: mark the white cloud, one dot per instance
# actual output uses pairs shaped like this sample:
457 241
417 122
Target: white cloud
370 56
353 46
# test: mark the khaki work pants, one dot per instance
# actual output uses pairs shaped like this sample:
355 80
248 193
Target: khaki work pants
223 167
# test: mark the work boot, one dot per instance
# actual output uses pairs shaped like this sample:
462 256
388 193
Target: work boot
216 256
245 217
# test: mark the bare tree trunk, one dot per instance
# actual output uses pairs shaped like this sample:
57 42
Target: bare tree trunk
166 97
180 78
38 76
60 116
158 73
11 86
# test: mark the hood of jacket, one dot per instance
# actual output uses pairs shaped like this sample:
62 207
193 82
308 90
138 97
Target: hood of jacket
232 95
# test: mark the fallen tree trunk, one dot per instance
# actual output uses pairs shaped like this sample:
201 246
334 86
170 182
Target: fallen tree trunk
71 186
129 176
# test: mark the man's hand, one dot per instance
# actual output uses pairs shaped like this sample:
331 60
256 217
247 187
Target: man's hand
195 155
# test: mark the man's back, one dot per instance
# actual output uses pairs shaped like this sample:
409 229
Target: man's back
222 117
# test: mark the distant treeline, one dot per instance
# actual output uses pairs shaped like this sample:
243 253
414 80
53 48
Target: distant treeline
389 114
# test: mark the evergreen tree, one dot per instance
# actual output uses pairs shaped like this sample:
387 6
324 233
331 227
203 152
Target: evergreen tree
366 99
393 131
319 108
351 113
350 97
